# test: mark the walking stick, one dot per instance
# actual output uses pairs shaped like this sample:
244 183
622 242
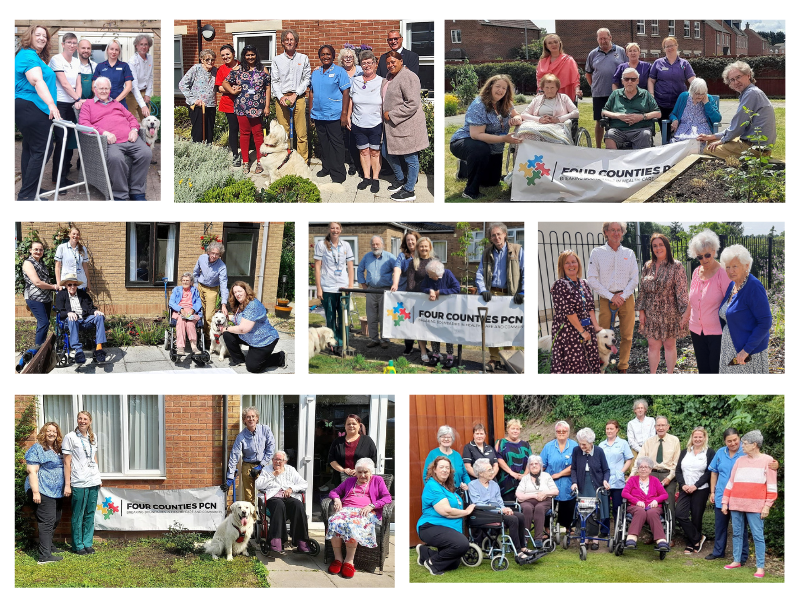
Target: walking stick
203 104
483 311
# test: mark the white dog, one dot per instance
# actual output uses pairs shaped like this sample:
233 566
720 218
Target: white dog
148 129
319 339
233 534
605 346
279 160
217 343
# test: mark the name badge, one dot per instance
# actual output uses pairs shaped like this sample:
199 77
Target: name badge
251 92
119 69
330 74
337 272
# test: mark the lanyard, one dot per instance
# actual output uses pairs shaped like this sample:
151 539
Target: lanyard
579 288
77 256
85 451
335 255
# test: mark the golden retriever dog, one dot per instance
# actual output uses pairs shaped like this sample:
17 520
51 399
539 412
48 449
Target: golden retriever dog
233 534
606 347
277 160
319 339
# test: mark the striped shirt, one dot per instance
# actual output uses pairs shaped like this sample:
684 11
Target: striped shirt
752 484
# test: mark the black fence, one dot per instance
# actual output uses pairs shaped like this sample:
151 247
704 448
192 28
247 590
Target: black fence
762 248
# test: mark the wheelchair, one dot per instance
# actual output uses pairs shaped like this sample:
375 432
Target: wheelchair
587 509
63 348
170 336
623 521
664 125
262 527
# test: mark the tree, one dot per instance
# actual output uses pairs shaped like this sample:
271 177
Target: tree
774 37
465 84
731 228
675 229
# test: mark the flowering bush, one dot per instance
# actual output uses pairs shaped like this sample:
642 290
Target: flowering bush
205 240
200 168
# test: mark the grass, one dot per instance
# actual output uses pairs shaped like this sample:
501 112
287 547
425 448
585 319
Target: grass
325 363
779 151
601 566
138 564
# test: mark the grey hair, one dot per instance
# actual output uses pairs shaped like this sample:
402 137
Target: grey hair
99 79
640 401
631 44
435 267
207 52
533 459
563 423
662 417
366 462
493 226
250 409
754 437
376 236
606 30
739 65
217 246
698 86
586 435
481 465
445 430
704 239
366 55
143 36
282 453
296 37
190 275
646 460
622 224
347 52
631 70
736 251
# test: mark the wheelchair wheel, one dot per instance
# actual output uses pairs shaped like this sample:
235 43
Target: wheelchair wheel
619 549
473 557
582 551
167 340
499 563
548 545
173 355
264 547
313 547
662 555
565 541
486 545
584 140
205 357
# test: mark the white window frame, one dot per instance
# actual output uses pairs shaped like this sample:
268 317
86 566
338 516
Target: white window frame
687 29
441 257
395 243
351 239
718 39
178 60
266 33
475 247
126 473
671 28
512 234
697 30
641 28
426 60
654 28
455 36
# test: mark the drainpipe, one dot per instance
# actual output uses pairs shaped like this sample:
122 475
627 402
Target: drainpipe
264 239
225 438
490 418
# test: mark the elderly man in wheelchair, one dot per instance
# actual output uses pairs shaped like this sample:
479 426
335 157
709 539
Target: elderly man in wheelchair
121 130
632 113
75 308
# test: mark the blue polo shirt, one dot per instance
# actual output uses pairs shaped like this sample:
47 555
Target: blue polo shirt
602 66
118 75
25 60
434 493
328 88
722 466
376 272
554 461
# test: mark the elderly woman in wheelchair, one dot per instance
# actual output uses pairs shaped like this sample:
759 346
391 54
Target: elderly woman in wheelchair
280 497
549 116
535 494
643 497
694 113
186 313
121 129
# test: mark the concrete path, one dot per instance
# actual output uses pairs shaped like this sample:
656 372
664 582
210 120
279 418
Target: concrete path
289 570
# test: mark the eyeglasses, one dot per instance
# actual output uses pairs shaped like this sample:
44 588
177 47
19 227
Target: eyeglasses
72 285
208 60
707 255
562 431
392 39
735 79
630 79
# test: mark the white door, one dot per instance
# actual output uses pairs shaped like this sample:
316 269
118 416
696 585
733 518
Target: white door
101 39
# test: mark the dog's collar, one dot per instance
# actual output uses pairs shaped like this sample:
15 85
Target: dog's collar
216 337
285 160
240 539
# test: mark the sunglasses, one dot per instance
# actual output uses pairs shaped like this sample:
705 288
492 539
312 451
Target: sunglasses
630 79
707 255
72 285
394 39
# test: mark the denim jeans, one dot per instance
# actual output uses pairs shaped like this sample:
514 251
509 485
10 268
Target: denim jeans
412 162
96 321
721 521
40 310
756 525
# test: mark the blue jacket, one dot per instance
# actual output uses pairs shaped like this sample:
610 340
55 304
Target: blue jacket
598 467
175 299
446 284
749 317
711 108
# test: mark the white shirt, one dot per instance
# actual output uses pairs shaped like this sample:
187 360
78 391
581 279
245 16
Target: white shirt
142 69
333 270
85 471
639 431
366 101
290 74
268 483
72 70
611 271
75 304
693 466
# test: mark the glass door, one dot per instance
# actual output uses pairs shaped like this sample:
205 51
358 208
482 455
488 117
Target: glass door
241 247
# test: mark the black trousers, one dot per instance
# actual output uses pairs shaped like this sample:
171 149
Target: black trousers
566 512
67 112
257 360
351 155
233 133
689 510
450 546
281 509
48 514
483 167
331 147
515 524
196 117
707 349
35 127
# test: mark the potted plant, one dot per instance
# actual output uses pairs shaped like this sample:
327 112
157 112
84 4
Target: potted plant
282 308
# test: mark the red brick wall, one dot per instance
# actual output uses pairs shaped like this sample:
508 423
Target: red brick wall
483 42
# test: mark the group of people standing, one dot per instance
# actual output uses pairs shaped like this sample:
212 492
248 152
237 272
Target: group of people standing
725 308
71 86
362 107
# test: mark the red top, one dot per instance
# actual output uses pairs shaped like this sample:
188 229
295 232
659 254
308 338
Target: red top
350 454
226 102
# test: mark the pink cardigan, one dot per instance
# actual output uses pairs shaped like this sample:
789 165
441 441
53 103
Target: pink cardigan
633 493
705 298
378 492
565 109
111 117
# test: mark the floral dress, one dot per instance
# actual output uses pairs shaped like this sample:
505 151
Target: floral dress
349 524
198 84
252 100
693 122
516 456
664 297
759 363
570 354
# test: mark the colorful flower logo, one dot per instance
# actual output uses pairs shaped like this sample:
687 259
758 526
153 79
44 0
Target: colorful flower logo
107 508
398 314
535 169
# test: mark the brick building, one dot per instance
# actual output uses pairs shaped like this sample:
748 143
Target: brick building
485 40
266 36
443 235
757 45
190 445
100 33
128 260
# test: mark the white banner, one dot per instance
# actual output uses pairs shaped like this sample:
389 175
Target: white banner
119 509
556 173
453 318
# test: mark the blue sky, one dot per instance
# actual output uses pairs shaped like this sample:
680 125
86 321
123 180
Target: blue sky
750 227
755 24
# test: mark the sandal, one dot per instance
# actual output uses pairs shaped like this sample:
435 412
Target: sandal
259 168
246 167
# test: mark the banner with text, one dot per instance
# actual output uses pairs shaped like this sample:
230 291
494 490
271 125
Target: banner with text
121 509
556 173
453 318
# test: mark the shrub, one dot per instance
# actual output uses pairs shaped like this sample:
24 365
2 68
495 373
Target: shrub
450 105
200 168
532 51
23 251
522 73
287 262
290 189
426 156
243 191
23 427
520 99
465 83
180 540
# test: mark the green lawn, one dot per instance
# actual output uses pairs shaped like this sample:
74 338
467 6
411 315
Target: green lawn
601 566
138 564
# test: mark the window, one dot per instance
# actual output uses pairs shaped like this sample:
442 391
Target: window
418 37
264 41
440 249
350 239
687 29
517 236
178 60
129 429
697 30
476 246
396 246
455 36
654 28
152 254
671 28
718 38
241 251
640 27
